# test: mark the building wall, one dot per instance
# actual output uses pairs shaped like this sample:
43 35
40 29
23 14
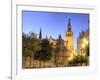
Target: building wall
80 41
69 39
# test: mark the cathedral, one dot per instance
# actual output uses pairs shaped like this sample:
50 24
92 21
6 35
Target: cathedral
63 48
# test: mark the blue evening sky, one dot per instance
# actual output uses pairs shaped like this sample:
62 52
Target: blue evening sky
54 23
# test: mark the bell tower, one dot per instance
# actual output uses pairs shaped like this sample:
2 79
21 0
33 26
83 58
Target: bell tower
69 39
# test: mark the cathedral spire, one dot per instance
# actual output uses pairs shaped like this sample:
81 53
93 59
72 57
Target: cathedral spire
69 26
60 38
40 34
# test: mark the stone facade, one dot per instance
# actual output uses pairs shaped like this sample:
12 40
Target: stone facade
69 40
82 41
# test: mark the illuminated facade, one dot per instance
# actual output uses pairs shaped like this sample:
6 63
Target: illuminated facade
82 41
69 39
63 55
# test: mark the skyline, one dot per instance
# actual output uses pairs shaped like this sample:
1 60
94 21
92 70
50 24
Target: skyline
54 23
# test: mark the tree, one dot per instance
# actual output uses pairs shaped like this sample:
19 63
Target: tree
47 49
24 44
30 45
79 59
31 42
45 53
